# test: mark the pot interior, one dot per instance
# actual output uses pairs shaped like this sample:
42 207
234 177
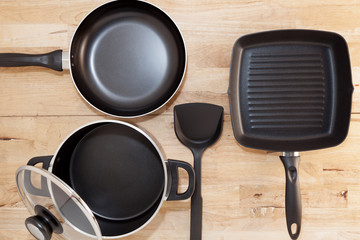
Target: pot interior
95 166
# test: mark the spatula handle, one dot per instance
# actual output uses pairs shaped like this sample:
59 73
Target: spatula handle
292 198
196 217
196 201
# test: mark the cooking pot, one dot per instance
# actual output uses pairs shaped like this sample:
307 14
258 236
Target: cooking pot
108 179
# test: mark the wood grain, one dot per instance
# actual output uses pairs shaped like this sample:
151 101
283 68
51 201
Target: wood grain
243 189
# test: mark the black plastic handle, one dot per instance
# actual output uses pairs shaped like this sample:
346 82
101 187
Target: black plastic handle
174 166
293 198
196 200
43 191
52 60
45 160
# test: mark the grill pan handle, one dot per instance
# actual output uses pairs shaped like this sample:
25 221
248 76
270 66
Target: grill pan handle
52 60
292 198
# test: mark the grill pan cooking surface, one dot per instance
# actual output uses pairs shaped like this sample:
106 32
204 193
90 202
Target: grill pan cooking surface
290 90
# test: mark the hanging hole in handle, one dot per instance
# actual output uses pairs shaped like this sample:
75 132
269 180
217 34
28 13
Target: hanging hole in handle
183 179
294 228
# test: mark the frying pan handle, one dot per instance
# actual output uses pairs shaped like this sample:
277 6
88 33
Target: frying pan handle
52 60
43 191
173 170
293 198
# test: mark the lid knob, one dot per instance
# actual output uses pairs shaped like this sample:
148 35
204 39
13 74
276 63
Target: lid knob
43 224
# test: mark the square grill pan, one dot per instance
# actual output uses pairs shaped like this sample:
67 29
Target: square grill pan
290 90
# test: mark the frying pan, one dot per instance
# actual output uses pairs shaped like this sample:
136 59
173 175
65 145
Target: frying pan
290 91
127 58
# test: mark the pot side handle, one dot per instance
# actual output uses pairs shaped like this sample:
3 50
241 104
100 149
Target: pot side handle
52 60
173 167
45 160
30 188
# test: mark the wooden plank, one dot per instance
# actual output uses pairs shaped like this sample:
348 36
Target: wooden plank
243 189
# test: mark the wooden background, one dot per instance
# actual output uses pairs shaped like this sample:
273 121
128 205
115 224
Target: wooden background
243 189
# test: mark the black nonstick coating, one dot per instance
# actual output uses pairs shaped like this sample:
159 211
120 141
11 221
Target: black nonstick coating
290 90
117 171
127 58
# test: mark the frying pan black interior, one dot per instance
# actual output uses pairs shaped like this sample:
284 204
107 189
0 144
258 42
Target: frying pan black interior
113 177
289 91
127 58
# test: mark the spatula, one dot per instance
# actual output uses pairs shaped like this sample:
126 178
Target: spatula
197 126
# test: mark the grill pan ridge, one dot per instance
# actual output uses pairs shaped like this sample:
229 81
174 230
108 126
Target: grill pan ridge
286 91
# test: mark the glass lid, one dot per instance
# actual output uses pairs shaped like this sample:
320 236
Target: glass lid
57 210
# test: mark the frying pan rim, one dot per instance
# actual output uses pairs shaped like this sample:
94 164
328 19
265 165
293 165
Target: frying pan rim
178 85
244 139
163 196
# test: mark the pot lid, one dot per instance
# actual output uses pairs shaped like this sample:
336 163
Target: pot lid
55 207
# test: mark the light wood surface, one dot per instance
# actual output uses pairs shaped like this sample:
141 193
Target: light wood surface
243 189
